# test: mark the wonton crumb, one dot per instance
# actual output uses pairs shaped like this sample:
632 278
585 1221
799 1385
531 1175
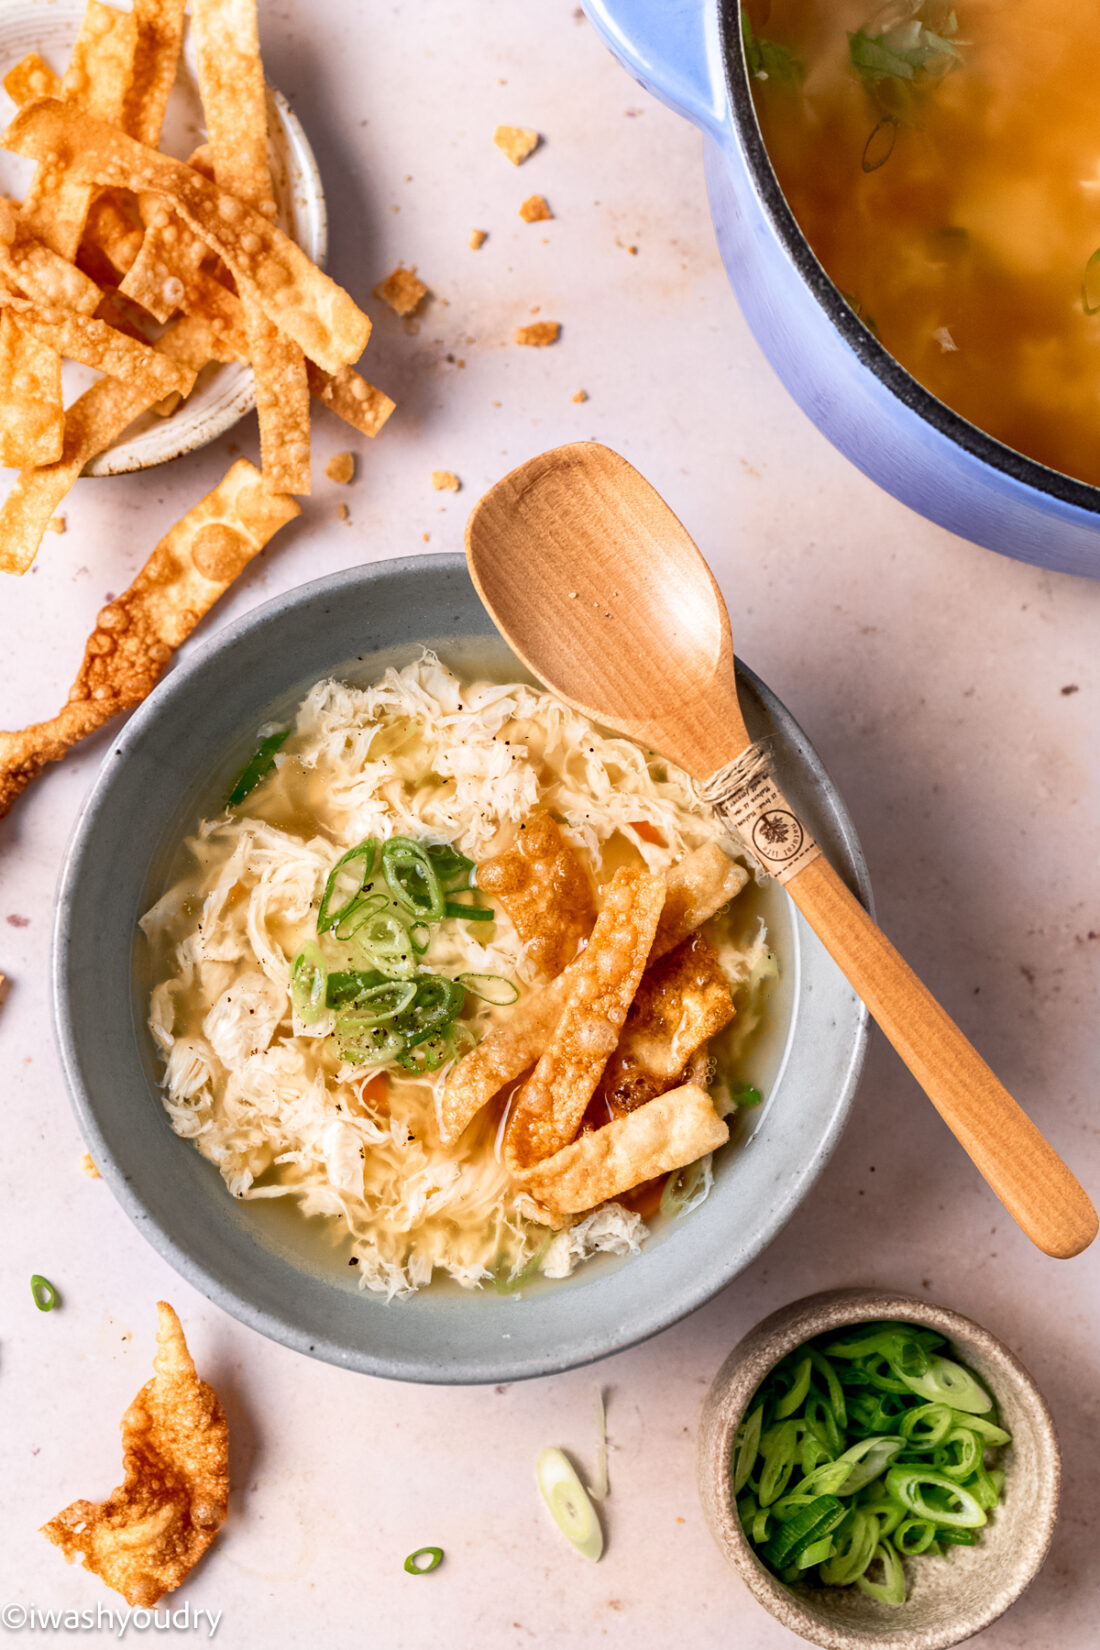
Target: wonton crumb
343 512
516 142
581 395
445 481
89 1167
538 333
478 237
56 524
535 209
402 290
341 467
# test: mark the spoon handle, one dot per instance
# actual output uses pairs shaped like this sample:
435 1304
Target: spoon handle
1024 1170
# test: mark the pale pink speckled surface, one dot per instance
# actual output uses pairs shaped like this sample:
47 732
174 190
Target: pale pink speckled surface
930 675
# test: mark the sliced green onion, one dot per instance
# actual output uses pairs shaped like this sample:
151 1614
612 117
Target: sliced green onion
946 1382
44 1294
411 878
420 937
682 1187
854 1545
362 908
926 1427
568 1502
468 913
800 1386
257 767
344 985
452 868
380 1002
434 1555
819 1519
891 1589
746 1447
502 992
368 1045
956 1507
309 984
746 1096
913 1536
354 870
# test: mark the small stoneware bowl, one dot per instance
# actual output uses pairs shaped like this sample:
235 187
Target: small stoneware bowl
950 1598
224 392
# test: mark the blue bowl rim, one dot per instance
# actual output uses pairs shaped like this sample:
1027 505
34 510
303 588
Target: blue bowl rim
874 355
238 1305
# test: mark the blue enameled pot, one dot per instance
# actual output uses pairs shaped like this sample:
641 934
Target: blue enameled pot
688 53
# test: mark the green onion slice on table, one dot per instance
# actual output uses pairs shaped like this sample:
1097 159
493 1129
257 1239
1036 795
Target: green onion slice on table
415 1564
568 1501
43 1292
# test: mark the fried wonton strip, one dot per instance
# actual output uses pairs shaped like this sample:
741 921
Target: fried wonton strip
681 1003
145 370
152 1530
543 885
95 420
38 271
32 417
156 58
112 238
695 889
137 633
548 1109
162 277
265 264
234 100
351 398
675 1129
698 887
31 78
96 81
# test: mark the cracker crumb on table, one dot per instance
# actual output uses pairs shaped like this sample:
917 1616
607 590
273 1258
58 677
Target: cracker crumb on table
341 467
581 395
534 209
538 334
402 290
478 237
445 481
516 142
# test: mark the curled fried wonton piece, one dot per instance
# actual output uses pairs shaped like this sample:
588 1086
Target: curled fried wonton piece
551 1104
682 1001
543 885
152 1530
665 1134
136 634
695 889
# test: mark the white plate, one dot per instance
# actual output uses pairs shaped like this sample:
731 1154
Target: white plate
223 393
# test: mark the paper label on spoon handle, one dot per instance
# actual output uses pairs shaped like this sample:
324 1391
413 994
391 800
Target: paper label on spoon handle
745 796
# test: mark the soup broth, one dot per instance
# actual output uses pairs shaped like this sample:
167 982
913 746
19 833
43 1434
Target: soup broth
944 165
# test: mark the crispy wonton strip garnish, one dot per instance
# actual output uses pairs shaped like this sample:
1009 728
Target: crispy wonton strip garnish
159 34
145 370
667 1133
695 889
31 78
97 81
38 271
698 887
234 100
682 1001
136 634
351 398
549 1108
152 1530
112 238
32 418
543 885
265 264
92 423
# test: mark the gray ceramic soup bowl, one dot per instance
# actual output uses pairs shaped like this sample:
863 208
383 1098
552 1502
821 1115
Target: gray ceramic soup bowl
173 763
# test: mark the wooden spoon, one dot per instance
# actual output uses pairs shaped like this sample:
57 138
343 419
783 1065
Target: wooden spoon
600 591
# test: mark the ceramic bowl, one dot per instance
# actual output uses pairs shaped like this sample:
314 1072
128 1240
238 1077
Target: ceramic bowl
689 54
949 1599
173 762
224 392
